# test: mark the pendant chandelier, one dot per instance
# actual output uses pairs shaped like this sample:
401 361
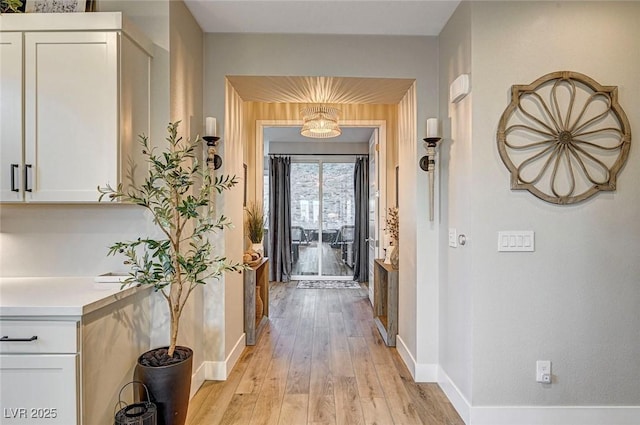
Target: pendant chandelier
320 122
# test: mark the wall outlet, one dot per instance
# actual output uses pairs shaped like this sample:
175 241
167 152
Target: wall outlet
543 371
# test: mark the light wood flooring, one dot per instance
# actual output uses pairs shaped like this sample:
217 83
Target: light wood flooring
332 264
320 361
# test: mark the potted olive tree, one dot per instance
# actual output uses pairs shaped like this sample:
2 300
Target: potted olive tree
178 193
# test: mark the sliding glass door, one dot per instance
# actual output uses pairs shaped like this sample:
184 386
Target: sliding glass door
322 218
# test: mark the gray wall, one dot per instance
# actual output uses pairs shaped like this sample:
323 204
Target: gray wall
455 188
574 300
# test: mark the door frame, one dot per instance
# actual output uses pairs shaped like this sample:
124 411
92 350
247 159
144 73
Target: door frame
381 125
320 160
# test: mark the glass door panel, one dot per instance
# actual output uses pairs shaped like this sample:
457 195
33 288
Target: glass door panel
322 219
305 218
338 211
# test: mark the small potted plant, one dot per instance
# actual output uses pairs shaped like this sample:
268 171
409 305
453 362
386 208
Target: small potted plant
255 231
178 193
11 6
393 231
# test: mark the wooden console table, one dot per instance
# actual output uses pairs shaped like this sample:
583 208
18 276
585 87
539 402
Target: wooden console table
385 301
257 275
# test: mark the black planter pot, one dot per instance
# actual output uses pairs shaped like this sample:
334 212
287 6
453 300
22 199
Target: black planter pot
169 386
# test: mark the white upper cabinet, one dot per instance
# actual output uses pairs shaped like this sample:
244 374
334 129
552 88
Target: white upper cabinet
11 158
83 96
71 114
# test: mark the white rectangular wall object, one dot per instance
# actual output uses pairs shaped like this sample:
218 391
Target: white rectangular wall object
459 88
516 240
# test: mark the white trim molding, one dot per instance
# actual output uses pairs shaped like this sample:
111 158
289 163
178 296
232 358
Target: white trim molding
406 356
535 415
455 396
197 379
555 415
219 371
421 372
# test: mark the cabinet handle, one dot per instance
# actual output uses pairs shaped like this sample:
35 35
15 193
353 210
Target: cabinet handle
27 167
7 339
14 168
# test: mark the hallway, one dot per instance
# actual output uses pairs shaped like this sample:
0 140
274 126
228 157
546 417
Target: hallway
320 361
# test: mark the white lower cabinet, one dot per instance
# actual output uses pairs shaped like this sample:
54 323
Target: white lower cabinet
39 389
39 372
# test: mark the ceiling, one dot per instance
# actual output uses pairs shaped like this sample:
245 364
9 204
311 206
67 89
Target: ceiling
378 17
382 91
331 90
391 17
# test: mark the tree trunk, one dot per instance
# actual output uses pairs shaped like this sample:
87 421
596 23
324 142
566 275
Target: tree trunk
175 321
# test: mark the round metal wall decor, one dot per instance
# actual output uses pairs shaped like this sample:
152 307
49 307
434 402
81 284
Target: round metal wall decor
564 137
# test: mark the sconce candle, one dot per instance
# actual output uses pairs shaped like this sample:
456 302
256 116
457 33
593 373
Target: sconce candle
210 126
428 162
432 127
213 159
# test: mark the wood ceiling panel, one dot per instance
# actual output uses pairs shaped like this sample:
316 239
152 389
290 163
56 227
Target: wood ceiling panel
340 90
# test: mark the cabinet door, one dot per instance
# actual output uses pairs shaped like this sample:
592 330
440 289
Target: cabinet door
71 114
11 168
39 389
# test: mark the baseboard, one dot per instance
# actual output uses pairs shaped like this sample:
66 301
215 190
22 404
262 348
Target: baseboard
455 396
219 371
555 415
197 379
426 372
406 356
421 372
535 415
235 354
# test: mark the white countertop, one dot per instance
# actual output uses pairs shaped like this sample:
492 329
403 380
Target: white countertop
58 296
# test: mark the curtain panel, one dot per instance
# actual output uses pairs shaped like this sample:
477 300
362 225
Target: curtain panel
280 219
361 233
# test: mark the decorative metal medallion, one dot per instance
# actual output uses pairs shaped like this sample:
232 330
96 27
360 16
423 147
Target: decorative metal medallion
564 137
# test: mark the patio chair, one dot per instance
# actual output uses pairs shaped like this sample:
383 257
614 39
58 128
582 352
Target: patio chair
345 239
297 237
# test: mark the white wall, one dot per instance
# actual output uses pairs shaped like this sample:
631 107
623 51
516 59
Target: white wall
456 172
152 18
574 300
349 56
65 240
186 46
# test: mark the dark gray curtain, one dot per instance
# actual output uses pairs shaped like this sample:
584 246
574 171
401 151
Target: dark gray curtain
280 219
361 234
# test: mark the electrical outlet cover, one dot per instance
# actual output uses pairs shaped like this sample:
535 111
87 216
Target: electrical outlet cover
543 371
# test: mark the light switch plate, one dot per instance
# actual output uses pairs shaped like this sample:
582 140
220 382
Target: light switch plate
516 240
453 238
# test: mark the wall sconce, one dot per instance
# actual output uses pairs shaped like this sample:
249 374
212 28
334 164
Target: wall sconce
428 162
213 160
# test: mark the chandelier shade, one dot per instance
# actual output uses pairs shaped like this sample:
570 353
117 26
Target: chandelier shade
320 122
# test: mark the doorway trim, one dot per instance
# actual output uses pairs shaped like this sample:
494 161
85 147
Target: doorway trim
381 125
